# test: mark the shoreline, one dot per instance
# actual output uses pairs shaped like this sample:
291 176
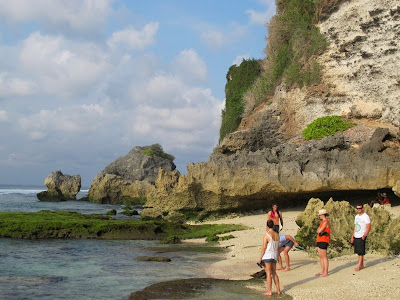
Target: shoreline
380 278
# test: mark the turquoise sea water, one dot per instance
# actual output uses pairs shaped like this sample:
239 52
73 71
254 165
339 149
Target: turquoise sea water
80 269
94 269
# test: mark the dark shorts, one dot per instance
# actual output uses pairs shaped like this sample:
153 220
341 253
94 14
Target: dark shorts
276 228
287 243
359 246
322 245
269 261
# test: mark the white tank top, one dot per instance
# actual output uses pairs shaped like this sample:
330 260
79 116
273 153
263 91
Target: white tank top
272 249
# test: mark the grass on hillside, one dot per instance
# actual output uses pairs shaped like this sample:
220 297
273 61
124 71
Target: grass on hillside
325 126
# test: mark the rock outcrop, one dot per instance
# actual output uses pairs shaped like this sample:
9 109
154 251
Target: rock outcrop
382 239
131 177
254 180
60 187
267 159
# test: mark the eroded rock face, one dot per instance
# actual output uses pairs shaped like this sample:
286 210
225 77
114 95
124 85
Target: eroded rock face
253 180
381 239
129 177
60 187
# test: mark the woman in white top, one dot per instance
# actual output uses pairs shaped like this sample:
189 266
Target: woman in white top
269 257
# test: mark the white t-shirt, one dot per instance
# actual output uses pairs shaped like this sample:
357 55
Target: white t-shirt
360 223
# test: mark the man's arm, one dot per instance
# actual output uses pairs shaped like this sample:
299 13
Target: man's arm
367 231
352 236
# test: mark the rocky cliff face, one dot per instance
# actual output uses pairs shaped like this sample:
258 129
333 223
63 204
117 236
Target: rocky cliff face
130 177
267 160
60 187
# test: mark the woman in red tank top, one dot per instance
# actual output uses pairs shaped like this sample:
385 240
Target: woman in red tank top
323 238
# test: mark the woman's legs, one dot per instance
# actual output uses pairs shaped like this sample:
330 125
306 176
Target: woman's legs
269 279
276 278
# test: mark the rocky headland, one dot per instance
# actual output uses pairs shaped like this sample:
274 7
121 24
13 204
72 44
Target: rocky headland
267 160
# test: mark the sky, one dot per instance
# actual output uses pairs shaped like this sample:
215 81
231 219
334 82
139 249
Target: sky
82 82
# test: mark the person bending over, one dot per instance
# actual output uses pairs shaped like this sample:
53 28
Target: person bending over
286 243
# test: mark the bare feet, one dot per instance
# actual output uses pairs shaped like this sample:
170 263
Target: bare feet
279 292
318 274
279 269
287 269
267 294
323 275
359 268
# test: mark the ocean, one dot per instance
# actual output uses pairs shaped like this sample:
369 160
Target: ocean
80 269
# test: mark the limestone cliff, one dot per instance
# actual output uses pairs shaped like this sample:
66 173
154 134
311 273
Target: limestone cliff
267 159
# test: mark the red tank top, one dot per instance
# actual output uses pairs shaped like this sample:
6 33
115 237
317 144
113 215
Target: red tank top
324 238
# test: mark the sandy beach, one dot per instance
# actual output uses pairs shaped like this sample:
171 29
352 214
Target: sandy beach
380 279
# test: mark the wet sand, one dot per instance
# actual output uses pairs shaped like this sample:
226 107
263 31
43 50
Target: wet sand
380 279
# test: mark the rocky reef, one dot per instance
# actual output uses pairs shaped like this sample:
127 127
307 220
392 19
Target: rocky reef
267 160
384 237
60 187
129 178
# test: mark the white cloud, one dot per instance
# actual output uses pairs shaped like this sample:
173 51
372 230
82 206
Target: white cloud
61 122
62 67
238 60
83 17
262 17
134 39
3 116
189 66
216 38
12 86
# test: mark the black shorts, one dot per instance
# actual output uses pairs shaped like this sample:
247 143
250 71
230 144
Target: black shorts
322 245
276 228
359 246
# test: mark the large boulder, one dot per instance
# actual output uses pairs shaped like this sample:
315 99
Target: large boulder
384 237
60 187
129 178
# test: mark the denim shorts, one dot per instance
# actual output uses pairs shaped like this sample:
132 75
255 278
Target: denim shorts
269 261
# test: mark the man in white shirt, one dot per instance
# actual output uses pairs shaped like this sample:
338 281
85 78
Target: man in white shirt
362 227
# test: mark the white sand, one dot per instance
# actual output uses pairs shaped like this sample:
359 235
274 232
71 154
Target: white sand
380 279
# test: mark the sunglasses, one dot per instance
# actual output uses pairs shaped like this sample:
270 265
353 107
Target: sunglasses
359 207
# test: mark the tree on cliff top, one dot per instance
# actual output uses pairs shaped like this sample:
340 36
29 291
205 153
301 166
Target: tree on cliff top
239 79
157 150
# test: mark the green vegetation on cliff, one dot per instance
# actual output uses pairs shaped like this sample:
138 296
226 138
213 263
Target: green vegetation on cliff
325 126
157 150
293 43
67 224
239 79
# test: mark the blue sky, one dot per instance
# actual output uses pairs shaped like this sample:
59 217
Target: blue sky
83 82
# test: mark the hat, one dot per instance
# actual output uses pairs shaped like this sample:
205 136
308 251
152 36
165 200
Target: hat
322 212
